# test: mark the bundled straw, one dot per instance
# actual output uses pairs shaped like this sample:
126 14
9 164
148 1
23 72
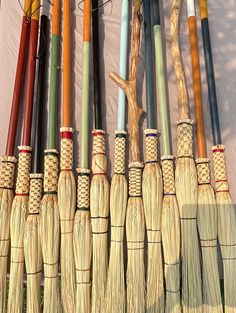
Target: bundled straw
186 182
135 212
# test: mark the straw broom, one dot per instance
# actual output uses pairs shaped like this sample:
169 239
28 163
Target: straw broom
20 202
49 224
99 191
135 212
152 184
186 182
8 162
170 222
82 232
115 291
226 213
207 210
66 182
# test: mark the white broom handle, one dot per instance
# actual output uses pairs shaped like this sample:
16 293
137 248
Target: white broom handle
191 8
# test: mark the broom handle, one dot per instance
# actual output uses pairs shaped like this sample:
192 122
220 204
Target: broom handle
40 98
84 134
66 114
124 36
161 79
151 121
210 73
196 75
31 73
54 75
21 62
177 60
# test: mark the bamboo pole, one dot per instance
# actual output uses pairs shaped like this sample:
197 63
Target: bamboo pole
49 224
82 232
115 291
226 213
8 162
207 210
135 212
186 181
20 203
66 182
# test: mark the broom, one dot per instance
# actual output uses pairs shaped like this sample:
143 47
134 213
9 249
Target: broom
186 182
170 223
99 191
152 183
135 229
226 213
207 210
49 224
7 171
66 182
82 232
20 202
115 291
32 244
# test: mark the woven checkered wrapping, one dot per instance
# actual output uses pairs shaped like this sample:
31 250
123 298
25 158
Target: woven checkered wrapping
23 174
7 172
220 171
135 179
151 144
203 171
35 194
83 188
185 138
99 160
119 163
66 161
168 174
50 171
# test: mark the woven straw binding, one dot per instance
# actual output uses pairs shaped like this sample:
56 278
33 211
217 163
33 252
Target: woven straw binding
50 171
23 174
135 179
99 161
151 144
66 160
203 171
185 138
35 196
7 172
168 174
119 164
83 189
221 179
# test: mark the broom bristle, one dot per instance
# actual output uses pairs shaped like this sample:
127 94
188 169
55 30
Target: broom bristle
32 245
6 197
226 227
115 291
152 199
207 226
135 232
171 237
66 204
50 234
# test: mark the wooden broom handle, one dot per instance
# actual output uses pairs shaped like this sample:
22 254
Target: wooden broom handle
177 60
129 87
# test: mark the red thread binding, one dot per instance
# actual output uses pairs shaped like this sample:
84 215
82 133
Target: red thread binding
66 135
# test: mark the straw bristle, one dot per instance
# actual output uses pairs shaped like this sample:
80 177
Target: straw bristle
6 198
115 291
152 199
207 226
187 196
171 238
50 233
82 242
66 204
226 227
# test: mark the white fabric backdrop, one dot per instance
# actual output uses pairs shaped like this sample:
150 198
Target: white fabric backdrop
222 15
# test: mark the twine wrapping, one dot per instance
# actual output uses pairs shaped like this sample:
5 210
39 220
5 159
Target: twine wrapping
219 161
151 145
168 175
66 161
135 179
99 161
24 163
185 138
119 162
203 171
36 187
7 172
50 171
83 189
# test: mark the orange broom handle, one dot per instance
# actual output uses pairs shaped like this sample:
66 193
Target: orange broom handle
56 18
66 107
87 21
